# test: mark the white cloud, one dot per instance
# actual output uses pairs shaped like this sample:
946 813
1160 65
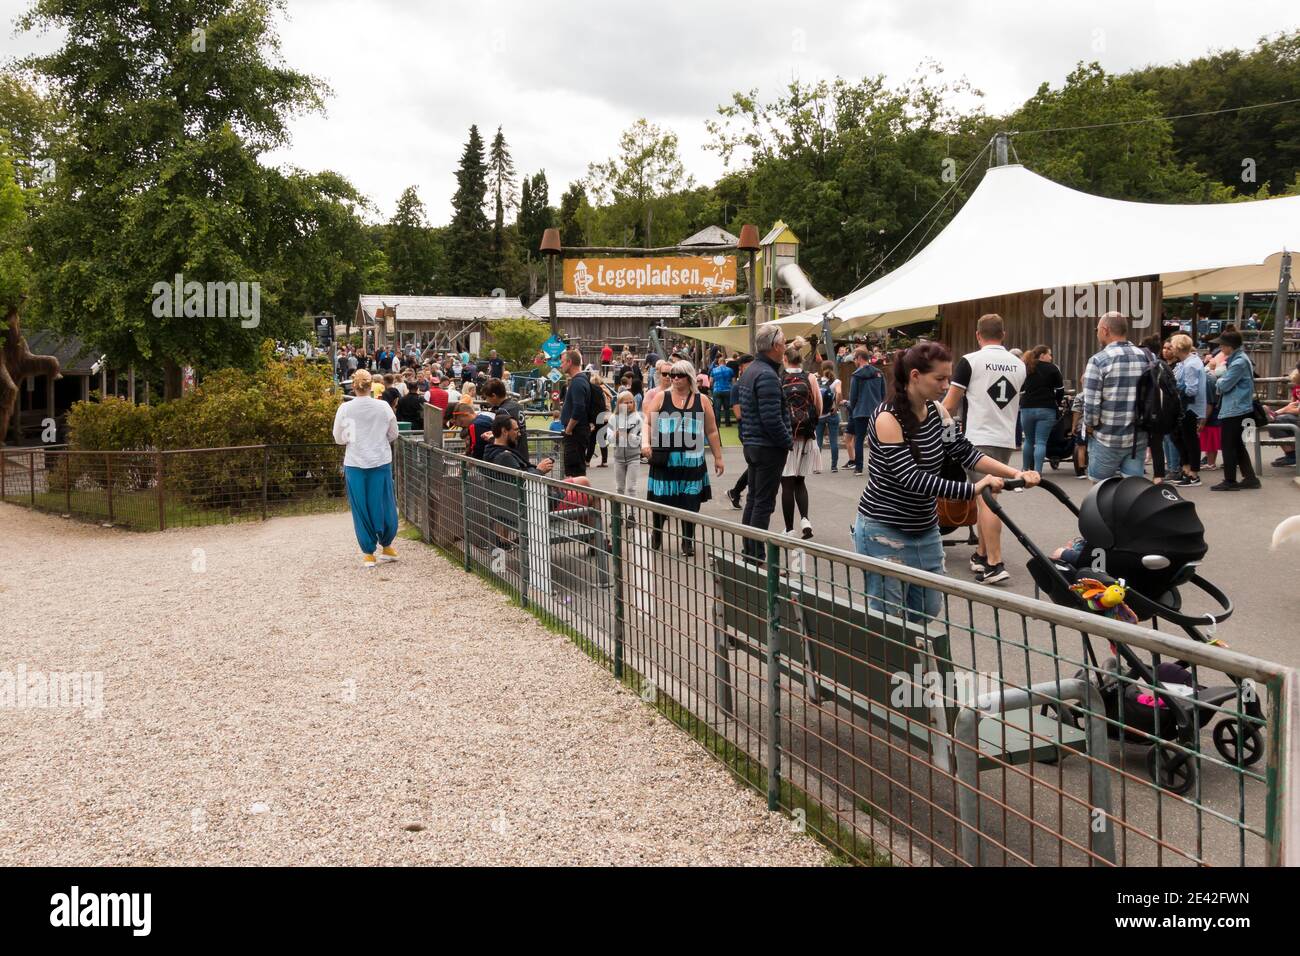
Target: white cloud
564 79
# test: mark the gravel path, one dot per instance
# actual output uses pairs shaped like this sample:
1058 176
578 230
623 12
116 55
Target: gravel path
266 701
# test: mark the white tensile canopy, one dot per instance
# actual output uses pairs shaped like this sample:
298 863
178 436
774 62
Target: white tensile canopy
1019 232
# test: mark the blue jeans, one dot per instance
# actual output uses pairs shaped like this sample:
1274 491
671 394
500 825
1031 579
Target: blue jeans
859 435
1106 462
1173 460
1037 424
722 407
923 551
830 423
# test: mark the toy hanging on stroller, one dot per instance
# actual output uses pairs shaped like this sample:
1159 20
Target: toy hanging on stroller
1139 543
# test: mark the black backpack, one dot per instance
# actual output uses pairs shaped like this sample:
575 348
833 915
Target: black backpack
1159 407
803 414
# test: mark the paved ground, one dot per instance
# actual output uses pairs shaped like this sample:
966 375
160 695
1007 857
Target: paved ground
1239 527
266 701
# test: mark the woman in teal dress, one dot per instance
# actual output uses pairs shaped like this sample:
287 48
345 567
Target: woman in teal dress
679 427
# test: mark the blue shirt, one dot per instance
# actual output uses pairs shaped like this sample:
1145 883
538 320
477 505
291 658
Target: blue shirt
1190 376
722 376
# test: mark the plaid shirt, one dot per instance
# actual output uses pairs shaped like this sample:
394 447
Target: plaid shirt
1110 385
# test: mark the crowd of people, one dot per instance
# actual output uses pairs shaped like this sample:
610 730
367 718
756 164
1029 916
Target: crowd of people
924 427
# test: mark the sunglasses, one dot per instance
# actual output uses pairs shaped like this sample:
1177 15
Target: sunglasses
678 375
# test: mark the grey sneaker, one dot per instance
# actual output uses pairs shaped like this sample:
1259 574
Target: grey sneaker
978 563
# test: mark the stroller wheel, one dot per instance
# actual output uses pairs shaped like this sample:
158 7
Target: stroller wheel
1055 463
1171 768
1236 748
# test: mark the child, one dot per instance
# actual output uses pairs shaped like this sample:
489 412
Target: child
555 421
626 429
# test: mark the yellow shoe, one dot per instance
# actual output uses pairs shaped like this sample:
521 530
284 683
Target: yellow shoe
368 561
388 554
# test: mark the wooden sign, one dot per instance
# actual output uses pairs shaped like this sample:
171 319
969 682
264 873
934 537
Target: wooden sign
668 275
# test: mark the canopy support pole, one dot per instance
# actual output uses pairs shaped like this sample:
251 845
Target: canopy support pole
1279 314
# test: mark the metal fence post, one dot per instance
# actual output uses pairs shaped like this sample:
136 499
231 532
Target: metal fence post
616 544
67 481
773 679
266 476
521 524
162 501
108 483
31 476
464 510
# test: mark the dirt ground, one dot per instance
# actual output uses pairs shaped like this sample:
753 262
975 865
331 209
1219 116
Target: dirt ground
264 700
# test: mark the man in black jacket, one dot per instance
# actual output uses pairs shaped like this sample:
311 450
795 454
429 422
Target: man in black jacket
575 416
765 430
499 400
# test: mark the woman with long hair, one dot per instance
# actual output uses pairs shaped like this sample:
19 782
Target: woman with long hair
679 425
368 427
805 457
1040 400
910 438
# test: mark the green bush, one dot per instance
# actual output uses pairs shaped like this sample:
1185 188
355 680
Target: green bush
284 402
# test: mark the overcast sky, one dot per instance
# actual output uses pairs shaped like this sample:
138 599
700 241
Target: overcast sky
565 78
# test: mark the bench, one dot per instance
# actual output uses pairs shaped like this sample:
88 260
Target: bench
848 654
1264 436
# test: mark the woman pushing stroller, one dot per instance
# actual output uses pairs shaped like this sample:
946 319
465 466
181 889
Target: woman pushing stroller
914 448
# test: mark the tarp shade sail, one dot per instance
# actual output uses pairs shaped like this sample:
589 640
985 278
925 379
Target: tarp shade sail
1019 232
736 337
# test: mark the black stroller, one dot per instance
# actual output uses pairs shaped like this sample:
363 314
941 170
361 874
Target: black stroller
1151 539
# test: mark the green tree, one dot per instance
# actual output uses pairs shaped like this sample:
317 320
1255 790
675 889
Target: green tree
571 208
14 270
1245 149
1134 161
169 107
409 248
29 122
501 186
850 166
469 240
535 215
517 340
646 169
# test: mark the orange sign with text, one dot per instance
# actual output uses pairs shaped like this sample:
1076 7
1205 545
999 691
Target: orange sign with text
669 275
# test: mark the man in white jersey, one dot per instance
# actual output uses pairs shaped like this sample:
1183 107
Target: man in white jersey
989 381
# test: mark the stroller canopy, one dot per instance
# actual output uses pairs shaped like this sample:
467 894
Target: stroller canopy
1151 537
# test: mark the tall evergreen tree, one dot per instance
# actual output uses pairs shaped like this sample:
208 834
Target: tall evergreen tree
571 203
534 213
469 238
409 247
501 185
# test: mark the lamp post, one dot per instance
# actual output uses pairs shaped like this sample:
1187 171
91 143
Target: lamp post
551 249
749 245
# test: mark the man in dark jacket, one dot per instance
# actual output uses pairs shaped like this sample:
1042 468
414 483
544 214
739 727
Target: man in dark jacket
410 407
764 430
866 392
500 402
575 415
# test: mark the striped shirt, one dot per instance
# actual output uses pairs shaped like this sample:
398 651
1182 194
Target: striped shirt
1110 393
902 490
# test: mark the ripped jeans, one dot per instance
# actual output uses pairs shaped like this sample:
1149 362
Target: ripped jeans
923 551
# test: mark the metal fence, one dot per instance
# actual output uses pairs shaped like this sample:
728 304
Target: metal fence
156 490
990 735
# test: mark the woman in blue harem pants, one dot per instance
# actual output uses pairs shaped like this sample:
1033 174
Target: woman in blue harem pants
368 427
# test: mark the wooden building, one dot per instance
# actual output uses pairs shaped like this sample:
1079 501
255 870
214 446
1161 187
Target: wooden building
442 322
591 326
